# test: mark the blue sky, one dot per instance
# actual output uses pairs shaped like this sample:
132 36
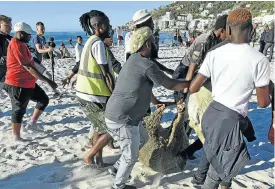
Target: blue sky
63 16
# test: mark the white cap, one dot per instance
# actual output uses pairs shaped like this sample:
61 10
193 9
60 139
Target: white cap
22 26
141 16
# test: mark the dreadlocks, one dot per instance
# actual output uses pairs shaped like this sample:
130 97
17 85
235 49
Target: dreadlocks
88 20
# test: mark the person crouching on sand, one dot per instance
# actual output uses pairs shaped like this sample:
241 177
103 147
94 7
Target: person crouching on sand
130 100
95 79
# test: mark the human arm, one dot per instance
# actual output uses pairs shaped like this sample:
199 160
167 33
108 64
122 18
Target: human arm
158 103
203 75
195 56
42 50
158 77
99 53
163 68
71 74
262 80
20 52
115 64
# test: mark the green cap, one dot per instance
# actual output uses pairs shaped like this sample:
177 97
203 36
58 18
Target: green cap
139 37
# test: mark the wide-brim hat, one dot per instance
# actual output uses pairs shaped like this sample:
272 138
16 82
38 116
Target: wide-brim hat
141 16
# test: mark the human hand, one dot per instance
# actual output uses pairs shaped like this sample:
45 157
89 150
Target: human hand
74 82
52 84
50 49
66 81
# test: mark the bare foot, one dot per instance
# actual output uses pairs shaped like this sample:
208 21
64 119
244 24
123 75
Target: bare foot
88 160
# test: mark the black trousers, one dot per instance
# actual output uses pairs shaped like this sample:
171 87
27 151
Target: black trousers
262 44
20 98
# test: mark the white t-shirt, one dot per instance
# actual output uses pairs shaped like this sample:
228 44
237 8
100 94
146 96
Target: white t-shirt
235 71
127 42
119 32
78 51
99 54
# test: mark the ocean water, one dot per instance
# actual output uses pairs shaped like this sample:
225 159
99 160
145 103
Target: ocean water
165 38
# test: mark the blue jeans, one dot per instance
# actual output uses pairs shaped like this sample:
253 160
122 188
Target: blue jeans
128 138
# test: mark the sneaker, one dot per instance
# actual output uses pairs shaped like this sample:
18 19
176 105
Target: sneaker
113 172
35 127
197 181
24 129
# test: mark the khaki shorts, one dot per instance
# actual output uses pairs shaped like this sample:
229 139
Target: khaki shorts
95 114
198 103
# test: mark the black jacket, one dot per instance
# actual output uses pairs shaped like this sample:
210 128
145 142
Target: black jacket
269 37
4 43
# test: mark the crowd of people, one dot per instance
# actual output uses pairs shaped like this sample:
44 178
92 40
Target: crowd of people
215 94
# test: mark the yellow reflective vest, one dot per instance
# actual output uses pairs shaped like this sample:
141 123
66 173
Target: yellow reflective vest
90 79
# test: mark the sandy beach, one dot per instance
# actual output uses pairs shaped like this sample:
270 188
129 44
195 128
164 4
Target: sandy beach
53 160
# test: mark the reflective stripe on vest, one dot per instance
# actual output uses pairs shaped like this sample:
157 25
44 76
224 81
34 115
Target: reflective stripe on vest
90 79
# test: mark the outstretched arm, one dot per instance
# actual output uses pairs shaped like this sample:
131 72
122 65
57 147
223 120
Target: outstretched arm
163 68
197 83
107 76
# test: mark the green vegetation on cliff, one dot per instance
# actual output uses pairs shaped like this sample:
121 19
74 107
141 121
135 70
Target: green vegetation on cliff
193 7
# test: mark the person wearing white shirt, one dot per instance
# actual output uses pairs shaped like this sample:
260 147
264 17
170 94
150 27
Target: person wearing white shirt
235 69
78 48
119 36
127 45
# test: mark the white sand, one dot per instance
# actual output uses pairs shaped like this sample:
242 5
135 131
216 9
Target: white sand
53 160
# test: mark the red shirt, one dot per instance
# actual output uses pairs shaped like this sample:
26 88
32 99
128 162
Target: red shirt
19 54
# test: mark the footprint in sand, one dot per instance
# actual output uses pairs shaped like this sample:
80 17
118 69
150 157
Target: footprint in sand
56 177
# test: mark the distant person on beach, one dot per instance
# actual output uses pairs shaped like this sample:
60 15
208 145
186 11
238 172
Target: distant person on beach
5 30
222 122
130 100
269 41
262 38
178 36
119 36
41 49
112 35
51 42
78 49
254 36
127 45
64 51
95 80
39 44
71 43
21 79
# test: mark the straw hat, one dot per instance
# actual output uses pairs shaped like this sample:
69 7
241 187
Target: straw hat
141 16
